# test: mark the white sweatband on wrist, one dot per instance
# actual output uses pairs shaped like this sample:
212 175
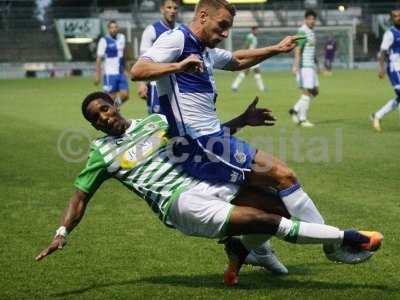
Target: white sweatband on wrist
62 231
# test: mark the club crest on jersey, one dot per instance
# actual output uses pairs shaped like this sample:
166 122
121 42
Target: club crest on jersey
240 157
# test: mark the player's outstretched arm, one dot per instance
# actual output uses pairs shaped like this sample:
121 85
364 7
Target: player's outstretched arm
145 69
252 116
72 216
246 58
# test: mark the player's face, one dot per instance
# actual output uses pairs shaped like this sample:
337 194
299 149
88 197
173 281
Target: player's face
254 31
396 18
106 117
310 21
216 26
113 29
169 11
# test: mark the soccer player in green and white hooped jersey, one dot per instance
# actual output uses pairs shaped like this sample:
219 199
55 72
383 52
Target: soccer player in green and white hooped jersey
250 43
305 68
136 153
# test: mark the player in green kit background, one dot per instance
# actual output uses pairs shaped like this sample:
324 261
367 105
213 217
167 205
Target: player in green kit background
305 69
251 43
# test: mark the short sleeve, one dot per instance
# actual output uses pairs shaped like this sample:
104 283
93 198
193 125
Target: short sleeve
221 58
248 40
167 48
387 40
148 38
123 40
101 47
301 42
94 173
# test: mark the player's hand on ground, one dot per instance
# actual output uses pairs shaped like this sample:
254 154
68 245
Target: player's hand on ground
57 244
254 116
288 43
142 91
191 64
381 74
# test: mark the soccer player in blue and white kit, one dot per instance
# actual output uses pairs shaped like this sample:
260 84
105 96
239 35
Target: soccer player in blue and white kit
182 61
169 12
111 49
390 53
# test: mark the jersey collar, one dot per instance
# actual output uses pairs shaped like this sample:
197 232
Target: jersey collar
193 36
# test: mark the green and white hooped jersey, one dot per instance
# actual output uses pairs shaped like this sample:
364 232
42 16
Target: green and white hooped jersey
251 41
141 161
307 59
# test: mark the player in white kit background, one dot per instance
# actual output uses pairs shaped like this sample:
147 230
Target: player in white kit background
110 60
389 54
169 13
251 42
305 68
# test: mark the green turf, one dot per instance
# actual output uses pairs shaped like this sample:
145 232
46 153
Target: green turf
121 251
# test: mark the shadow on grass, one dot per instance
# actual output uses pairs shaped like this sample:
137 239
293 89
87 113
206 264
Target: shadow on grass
249 280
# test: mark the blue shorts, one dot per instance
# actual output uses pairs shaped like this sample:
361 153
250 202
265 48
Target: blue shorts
115 83
394 78
153 102
217 157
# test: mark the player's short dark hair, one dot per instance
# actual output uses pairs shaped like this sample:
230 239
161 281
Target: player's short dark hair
254 27
310 12
177 2
91 97
217 4
111 22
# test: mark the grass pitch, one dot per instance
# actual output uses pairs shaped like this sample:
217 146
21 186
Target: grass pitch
121 251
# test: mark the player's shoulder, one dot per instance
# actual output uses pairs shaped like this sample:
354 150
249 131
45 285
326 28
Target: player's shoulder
175 35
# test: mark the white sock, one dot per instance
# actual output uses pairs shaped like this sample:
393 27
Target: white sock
301 107
300 205
308 233
387 108
259 82
238 80
255 242
304 107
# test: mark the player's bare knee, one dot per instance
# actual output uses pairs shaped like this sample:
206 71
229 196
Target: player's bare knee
286 177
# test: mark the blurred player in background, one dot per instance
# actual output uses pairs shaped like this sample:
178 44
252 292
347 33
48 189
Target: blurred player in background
330 50
111 50
390 53
305 68
250 43
169 12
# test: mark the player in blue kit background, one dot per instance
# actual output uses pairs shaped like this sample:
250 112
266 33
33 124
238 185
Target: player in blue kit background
169 12
390 53
110 51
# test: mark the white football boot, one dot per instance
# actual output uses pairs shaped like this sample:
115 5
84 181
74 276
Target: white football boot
267 260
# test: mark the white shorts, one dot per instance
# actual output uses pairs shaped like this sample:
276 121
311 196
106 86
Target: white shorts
307 78
203 210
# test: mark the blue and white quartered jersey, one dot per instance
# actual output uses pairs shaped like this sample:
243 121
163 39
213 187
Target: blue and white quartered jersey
112 50
151 33
391 44
188 99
